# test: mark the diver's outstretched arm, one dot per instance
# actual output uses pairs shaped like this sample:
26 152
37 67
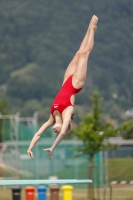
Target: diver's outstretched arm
38 135
60 136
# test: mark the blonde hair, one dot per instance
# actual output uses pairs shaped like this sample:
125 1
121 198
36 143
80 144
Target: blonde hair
70 126
69 129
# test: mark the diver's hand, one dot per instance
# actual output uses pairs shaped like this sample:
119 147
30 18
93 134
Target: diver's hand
49 153
30 153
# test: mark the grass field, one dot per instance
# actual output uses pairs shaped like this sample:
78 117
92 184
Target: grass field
120 169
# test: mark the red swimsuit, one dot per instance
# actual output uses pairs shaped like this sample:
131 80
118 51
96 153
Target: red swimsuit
62 100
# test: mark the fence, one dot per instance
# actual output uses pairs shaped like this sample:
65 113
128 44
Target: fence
17 134
64 165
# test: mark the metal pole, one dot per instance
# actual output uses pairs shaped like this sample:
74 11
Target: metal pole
105 187
98 185
16 131
35 124
75 161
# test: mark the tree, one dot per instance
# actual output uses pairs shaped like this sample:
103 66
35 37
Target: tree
3 111
93 132
127 132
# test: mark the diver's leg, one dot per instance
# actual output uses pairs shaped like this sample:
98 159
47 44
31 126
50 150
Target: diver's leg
73 64
83 55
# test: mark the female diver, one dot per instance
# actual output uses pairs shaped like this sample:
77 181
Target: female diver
62 108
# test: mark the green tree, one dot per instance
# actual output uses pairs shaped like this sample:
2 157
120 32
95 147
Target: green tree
3 111
127 132
93 132
38 40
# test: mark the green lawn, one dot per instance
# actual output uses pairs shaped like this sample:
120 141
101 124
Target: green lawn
121 169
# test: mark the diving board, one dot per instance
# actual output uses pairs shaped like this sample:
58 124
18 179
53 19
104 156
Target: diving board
46 182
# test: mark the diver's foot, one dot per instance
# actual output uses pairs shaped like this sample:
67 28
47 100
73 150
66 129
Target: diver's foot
93 22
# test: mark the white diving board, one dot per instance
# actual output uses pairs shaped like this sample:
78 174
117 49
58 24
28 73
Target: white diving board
47 182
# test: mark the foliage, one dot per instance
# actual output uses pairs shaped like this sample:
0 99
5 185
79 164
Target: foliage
3 107
39 39
3 111
93 132
127 132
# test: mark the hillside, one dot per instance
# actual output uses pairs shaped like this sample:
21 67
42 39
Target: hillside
38 40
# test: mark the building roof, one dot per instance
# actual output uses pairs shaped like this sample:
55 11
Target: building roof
120 141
